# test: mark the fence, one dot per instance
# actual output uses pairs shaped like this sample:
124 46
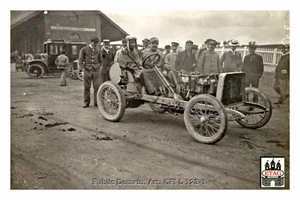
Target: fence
270 56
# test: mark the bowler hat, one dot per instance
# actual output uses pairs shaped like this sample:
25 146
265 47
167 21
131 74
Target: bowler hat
252 45
167 46
63 51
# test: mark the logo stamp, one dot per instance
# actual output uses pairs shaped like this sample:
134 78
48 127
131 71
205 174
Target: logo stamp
272 171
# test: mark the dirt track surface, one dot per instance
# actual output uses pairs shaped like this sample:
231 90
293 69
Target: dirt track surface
57 144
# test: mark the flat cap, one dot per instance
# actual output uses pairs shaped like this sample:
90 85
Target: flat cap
174 43
106 41
154 39
195 47
167 46
146 40
211 41
189 41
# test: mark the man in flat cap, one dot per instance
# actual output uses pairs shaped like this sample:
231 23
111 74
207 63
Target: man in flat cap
185 60
146 43
90 60
124 45
131 58
167 50
209 62
171 57
194 49
231 61
153 48
202 48
107 60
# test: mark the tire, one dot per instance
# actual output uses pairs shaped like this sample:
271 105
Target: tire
72 74
80 73
255 117
207 124
35 71
111 101
156 108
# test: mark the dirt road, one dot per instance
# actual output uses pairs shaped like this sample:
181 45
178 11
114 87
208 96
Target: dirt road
57 144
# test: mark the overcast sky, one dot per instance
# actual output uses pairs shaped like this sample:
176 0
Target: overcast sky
264 27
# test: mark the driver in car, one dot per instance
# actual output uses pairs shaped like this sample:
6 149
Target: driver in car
160 62
131 59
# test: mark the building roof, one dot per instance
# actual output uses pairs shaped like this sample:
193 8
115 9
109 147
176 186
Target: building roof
18 17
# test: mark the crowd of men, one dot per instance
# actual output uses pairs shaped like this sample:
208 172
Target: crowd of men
96 62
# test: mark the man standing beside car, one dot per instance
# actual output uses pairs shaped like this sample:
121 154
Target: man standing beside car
282 75
185 60
232 60
107 60
253 67
62 62
90 60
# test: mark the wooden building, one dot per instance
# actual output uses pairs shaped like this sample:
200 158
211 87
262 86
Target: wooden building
30 29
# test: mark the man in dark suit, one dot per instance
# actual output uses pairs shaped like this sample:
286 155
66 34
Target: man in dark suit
90 60
107 60
253 67
185 60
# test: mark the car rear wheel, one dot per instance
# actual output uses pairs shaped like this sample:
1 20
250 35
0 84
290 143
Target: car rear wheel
80 73
71 72
35 71
256 117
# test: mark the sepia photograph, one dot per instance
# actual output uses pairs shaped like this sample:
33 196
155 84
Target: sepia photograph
150 99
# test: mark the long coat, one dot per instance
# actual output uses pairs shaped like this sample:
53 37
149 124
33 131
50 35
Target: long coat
183 61
209 63
232 61
282 70
253 65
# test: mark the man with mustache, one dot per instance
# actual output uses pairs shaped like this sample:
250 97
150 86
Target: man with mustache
90 60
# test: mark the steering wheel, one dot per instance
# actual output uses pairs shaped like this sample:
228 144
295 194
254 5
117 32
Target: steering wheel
153 58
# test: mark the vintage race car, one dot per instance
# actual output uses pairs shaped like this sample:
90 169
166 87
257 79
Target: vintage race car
206 102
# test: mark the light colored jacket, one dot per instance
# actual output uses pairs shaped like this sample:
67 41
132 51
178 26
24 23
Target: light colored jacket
209 63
